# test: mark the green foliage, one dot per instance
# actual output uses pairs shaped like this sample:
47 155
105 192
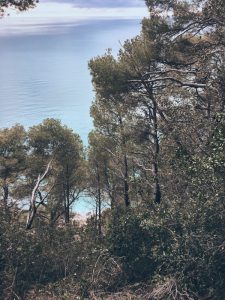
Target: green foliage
108 76
20 5
30 258
128 239
159 130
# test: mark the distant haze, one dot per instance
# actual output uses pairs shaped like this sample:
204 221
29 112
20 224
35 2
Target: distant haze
102 3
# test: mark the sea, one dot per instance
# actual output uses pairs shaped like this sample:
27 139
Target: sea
44 72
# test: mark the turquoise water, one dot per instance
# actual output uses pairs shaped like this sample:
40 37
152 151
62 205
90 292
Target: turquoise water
45 74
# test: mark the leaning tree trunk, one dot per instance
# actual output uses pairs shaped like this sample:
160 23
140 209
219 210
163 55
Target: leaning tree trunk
33 207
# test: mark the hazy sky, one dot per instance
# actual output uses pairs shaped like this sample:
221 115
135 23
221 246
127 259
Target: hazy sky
49 12
101 3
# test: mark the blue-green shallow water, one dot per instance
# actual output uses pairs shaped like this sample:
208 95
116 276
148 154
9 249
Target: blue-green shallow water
45 74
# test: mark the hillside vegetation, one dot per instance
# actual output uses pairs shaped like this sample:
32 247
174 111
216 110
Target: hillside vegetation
154 168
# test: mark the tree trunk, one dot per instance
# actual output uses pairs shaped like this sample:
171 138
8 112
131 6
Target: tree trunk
125 181
157 191
126 185
67 197
110 189
32 214
67 212
99 205
5 199
155 167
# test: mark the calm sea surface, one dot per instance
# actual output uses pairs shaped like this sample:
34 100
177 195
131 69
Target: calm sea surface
45 73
